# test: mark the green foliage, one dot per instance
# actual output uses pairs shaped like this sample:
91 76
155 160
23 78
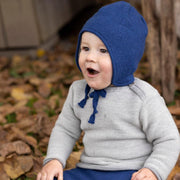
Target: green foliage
11 118
32 111
171 103
27 74
31 102
58 92
13 73
57 103
75 148
50 112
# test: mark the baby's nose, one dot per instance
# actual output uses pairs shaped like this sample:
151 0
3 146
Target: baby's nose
92 56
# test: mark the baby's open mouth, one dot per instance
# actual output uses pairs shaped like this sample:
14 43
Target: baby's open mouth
92 71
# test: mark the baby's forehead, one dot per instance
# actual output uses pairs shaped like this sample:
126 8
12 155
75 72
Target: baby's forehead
91 38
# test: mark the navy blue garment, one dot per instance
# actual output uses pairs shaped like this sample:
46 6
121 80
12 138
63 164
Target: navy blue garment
123 31
88 174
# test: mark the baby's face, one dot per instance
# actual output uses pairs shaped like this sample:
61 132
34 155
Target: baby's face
95 61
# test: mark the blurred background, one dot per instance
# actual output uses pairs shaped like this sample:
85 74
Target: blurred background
37 48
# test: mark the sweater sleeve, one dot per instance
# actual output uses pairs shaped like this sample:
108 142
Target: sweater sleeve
65 133
162 133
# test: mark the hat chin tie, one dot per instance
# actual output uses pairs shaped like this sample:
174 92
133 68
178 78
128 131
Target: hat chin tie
95 95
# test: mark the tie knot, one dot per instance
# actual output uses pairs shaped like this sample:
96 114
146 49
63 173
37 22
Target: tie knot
97 93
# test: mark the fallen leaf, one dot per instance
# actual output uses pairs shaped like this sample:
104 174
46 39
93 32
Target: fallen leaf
18 165
3 174
16 60
40 53
2 159
177 123
19 134
54 101
73 160
174 110
4 62
28 124
177 176
6 109
35 81
19 94
19 147
44 89
38 163
174 171
43 144
3 135
2 119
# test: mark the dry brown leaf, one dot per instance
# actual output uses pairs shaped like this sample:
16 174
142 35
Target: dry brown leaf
63 90
19 134
54 101
4 62
5 91
62 101
177 124
18 165
177 176
66 60
174 110
40 105
69 81
6 109
3 174
22 113
19 94
54 77
2 119
3 135
19 147
174 171
73 160
45 89
38 162
6 149
2 159
39 65
35 81
16 60
43 144
44 125
28 124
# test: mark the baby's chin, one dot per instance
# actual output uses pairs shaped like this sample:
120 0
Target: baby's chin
98 86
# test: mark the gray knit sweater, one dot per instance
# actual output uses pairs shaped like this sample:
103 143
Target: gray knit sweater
133 129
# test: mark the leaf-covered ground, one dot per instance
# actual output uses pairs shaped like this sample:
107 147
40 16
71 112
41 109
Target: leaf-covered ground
32 93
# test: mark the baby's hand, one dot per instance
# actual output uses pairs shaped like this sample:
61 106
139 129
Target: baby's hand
144 174
52 169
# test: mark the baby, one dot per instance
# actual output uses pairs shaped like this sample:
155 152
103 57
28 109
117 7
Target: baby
129 133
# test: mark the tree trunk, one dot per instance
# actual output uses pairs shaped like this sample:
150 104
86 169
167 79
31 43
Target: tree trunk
168 49
153 41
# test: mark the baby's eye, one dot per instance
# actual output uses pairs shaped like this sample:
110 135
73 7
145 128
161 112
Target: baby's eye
103 50
85 48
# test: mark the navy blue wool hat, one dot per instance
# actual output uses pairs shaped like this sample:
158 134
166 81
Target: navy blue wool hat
123 31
